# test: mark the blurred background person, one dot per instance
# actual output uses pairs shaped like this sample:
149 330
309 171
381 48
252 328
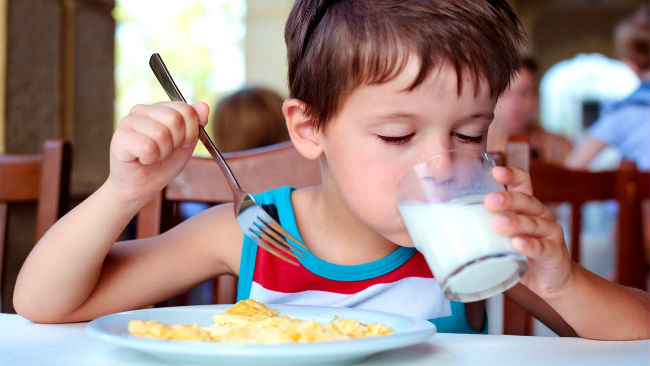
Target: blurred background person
248 118
517 112
624 124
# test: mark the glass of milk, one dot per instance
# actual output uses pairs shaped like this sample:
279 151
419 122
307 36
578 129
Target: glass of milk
441 202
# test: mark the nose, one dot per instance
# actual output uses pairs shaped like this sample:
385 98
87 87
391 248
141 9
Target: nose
439 167
435 156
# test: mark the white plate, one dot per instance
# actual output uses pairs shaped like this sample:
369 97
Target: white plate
408 331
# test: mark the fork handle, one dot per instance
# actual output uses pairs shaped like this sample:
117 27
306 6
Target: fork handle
216 155
165 79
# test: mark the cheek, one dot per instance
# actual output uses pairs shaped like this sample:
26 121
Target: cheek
367 185
363 172
365 176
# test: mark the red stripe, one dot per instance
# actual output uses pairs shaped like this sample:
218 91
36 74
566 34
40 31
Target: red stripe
275 274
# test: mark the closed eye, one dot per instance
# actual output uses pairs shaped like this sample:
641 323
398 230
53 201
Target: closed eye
465 139
396 140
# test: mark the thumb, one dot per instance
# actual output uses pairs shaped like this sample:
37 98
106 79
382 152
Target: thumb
202 109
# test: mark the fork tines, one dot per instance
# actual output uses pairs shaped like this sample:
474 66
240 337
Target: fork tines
272 236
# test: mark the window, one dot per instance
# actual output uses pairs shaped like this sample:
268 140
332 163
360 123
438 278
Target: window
572 90
201 41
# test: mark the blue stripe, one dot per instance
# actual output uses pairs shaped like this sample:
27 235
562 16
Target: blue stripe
359 272
336 272
246 269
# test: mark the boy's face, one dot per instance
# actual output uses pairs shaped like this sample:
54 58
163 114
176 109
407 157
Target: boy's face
382 130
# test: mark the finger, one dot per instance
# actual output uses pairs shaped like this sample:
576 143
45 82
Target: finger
129 145
522 225
178 117
514 179
164 114
530 247
203 110
539 250
191 118
511 201
157 132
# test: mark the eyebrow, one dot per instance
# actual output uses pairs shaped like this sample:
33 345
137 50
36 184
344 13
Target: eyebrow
395 115
392 116
478 115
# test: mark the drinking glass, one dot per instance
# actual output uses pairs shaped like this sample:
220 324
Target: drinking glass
441 202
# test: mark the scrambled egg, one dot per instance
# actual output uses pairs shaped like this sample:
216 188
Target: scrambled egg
250 321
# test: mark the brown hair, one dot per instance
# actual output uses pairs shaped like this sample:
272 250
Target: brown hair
251 117
336 46
632 38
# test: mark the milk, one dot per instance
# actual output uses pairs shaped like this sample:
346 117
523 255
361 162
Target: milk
462 249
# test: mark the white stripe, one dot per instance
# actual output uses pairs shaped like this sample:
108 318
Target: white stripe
413 296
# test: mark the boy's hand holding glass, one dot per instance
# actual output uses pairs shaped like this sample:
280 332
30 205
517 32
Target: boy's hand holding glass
442 203
533 230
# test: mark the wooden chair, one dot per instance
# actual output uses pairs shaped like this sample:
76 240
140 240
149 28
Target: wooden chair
632 265
256 170
557 184
42 178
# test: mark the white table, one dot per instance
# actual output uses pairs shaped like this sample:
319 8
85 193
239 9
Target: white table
26 343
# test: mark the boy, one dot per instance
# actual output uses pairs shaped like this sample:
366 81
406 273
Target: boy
376 86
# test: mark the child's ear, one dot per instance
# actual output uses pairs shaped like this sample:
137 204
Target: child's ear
302 130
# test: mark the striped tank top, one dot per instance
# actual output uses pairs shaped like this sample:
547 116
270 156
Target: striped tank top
399 283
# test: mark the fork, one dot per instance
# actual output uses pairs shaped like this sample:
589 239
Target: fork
252 218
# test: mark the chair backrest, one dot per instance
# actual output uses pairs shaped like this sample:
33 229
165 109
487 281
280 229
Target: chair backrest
554 183
633 191
626 185
42 178
201 180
